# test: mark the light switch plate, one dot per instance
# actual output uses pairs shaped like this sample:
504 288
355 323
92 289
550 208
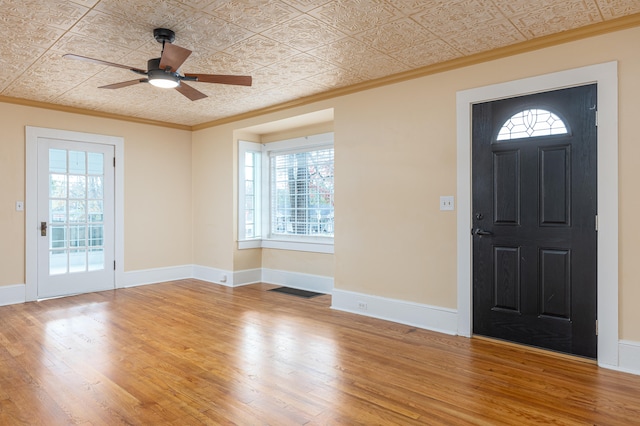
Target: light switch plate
446 202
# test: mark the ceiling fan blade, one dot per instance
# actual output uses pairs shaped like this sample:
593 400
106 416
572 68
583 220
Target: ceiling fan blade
173 56
190 92
123 84
239 80
101 62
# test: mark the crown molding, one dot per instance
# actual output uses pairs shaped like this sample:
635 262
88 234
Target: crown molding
89 112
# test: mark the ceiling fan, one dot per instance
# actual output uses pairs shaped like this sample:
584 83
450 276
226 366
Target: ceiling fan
164 71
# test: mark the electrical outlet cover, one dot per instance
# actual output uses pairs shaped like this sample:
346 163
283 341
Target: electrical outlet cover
447 202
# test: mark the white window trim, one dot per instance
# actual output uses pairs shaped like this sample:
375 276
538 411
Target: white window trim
243 148
316 244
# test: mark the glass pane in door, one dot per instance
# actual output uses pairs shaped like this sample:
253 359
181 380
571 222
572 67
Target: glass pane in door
76 216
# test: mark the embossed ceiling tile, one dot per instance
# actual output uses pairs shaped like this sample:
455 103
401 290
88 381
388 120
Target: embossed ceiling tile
380 66
557 18
217 63
303 33
32 33
50 77
241 105
160 13
261 50
302 66
267 78
489 35
303 88
617 8
296 90
396 35
306 5
220 93
359 58
86 3
409 7
93 48
5 81
511 8
57 13
37 89
345 52
16 59
428 53
269 98
198 4
112 29
92 98
336 78
457 15
204 32
354 16
257 15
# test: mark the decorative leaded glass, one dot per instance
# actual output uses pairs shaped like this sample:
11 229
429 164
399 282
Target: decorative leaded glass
531 123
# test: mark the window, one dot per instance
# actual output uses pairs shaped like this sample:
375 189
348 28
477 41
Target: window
531 123
285 194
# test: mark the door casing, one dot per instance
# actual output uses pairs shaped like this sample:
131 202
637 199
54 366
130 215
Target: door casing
606 77
31 219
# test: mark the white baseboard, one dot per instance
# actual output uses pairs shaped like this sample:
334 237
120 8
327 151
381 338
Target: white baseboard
317 283
157 275
248 276
320 284
433 318
628 357
12 294
213 275
227 278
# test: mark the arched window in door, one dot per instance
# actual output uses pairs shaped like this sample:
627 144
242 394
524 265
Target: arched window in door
532 123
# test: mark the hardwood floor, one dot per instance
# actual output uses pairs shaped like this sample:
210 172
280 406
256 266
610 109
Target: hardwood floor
188 352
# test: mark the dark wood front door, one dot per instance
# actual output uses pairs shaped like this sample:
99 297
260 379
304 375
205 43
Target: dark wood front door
534 220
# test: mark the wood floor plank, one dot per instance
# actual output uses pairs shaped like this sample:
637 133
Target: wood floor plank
188 353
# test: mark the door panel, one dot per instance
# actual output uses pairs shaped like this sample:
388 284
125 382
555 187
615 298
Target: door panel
555 184
507 278
76 217
534 207
506 184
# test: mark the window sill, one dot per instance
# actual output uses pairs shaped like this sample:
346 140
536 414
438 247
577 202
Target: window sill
308 246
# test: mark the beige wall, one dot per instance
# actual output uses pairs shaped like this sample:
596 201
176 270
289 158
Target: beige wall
157 188
213 197
299 261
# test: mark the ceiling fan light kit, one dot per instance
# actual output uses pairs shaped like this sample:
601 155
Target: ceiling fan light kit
164 72
161 78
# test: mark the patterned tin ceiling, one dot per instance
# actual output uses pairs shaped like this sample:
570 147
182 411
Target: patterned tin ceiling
292 48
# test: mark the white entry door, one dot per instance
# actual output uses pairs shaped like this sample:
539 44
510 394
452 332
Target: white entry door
75 210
